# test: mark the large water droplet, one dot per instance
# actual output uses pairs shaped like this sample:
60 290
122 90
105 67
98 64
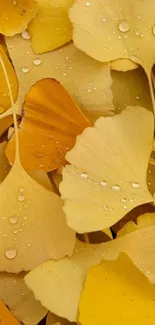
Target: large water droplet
103 183
11 253
37 61
13 219
88 4
124 26
84 175
21 198
26 35
135 185
25 69
116 188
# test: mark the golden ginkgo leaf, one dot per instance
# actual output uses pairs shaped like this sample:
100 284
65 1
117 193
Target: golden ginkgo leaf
107 175
58 284
4 164
51 27
20 300
15 15
144 220
123 65
4 95
52 115
118 293
92 92
32 223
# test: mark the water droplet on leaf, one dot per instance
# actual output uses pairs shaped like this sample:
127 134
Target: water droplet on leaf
13 219
124 26
10 253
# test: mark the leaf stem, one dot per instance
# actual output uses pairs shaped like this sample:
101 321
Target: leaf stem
86 238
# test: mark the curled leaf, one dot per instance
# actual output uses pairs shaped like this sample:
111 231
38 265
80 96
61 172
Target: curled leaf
110 284
97 190
92 92
15 15
20 299
51 27
56 120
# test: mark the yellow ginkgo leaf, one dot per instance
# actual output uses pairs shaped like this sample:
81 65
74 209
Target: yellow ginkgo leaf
123 30
116 292
123 65
15 15
32 223
51 27
130 88
58 285
92 92
107 175
4 164
53 319
144 220
20 300
5 316
4 95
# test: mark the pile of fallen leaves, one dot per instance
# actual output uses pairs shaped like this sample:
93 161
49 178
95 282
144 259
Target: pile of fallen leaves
77 162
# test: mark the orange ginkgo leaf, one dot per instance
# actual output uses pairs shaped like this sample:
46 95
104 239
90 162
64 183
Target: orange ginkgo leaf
49 127
4 96
6 317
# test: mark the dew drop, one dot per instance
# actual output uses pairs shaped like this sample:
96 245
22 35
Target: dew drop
22 189
135 185
64 73
41 165
21 198
4 235
89 90
15 231
124 26
37 61
104 20
153 30
26 35
103 183
11 253
105 207
88 4
124 200
13 219
116 188
137 33
125 207
25 217
28 244
84 175
25 69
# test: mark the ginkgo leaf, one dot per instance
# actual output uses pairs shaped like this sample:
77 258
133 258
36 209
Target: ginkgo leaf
4 96
53 319
5 316
97 191
123 65
20 300
42 178
4 164
134 87
58 285
51 27
118 285
52 115
144 220
123 30
92 92
31 218
15 15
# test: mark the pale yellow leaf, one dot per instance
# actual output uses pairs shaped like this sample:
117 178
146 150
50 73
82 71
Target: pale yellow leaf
123 65
107 175
4 164
144 220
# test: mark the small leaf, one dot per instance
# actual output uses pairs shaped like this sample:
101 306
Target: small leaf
52 115
15 15
121 289
51 27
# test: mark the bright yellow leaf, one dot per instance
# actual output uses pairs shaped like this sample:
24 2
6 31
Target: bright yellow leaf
15 15
31 218
5 316
116 292
51 27
92 92
123 65
20 299
107 175
69 274
4 95
53 319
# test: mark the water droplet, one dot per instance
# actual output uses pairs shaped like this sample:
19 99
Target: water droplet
124 200
137 32
104 20
26 35
10 253
148 272
88 4
15 231
116 188
13 219
103 183
125 207
89 90
28 244
153 30
22 189
37 61
25 69
64 73
39 154
105 207
41 165
139 17
124 26
25 217
131 200
4 235
135 185
137 97
84 175
21 198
